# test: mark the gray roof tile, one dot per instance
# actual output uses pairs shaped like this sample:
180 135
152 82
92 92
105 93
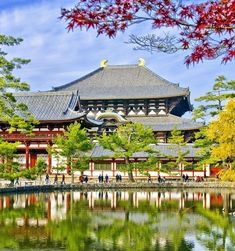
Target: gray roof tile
46 106
166 123
162 150
123 82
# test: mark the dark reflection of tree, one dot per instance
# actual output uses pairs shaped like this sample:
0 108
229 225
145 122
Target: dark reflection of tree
131 226
15 237
76 232
215 231
128 234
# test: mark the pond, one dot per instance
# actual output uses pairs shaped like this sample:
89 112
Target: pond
118 220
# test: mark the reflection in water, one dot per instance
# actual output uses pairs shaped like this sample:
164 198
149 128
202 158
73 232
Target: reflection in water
118 220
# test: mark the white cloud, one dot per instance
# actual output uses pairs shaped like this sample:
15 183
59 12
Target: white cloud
59 57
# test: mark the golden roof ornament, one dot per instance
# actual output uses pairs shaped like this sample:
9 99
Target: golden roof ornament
141 62
103 63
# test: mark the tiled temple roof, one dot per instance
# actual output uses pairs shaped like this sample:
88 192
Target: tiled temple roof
163 150
123 82
51 106
166 123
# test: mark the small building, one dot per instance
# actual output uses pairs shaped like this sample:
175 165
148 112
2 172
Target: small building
54 111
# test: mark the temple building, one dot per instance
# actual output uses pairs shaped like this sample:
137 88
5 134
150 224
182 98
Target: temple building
101 101
54 111
122 93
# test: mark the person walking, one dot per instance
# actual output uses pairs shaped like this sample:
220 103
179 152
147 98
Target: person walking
17 182
63 180
86 179
106 178
47 179
56 180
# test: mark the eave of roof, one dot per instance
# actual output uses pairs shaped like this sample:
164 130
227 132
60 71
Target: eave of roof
51 106
166 123
162 150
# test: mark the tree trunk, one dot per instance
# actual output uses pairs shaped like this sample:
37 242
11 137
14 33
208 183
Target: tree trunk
70 169
72 177
130 174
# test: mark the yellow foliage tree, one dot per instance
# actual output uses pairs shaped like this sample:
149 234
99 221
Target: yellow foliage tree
222 133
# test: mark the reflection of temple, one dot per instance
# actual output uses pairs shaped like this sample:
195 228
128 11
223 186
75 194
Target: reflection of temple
58 205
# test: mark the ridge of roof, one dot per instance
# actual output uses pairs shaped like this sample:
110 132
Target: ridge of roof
45 93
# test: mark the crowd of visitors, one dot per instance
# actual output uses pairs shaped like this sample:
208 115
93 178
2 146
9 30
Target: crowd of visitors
56 179
106 179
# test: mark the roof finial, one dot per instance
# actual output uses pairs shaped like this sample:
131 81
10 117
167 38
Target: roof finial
104 63
141 62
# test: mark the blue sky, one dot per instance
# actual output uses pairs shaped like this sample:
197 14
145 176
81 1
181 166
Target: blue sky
58 57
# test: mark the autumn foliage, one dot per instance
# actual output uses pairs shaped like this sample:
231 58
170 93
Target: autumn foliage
222 132
206 28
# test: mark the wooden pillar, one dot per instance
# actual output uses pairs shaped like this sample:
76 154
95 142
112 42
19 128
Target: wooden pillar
49 162
33 159
49 159
113 166
27 155
91 167
136 170
207 170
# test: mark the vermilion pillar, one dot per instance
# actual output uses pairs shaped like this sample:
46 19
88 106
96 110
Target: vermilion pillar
49 162
49 159
27 155
113 166
91 167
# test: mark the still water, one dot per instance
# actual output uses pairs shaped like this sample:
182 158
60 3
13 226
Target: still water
118 220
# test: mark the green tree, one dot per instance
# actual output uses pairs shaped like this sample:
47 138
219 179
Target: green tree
40 168
12 113
214 102
178 146
215 99
74 146
10 169
127 140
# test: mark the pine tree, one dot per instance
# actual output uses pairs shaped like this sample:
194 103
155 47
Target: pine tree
215 99
12 113
74 146
127 140
178 145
